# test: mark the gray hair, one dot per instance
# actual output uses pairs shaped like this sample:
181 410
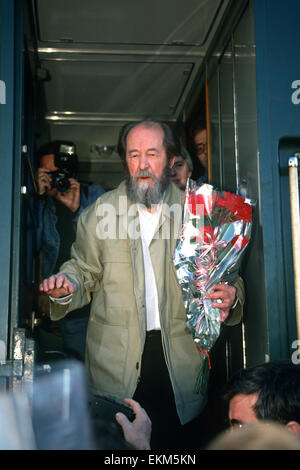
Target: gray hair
185 154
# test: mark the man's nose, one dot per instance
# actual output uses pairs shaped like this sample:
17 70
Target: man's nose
144 162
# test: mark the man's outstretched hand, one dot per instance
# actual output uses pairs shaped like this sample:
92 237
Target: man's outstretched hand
57 286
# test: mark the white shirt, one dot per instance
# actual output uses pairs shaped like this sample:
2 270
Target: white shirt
148 225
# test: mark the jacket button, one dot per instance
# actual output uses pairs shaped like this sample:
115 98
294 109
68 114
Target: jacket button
137 366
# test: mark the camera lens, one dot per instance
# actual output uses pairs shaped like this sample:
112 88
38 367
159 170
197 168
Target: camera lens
60 181
62 184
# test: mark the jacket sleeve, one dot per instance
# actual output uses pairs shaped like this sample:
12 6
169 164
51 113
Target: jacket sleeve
84 268
236 314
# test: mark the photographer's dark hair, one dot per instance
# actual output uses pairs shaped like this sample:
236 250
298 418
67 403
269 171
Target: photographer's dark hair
53 147
170 141
277 384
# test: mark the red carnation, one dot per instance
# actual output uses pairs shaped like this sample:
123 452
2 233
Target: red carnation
200 204
237 205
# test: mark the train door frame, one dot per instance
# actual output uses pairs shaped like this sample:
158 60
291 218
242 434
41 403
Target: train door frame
11 32
16 348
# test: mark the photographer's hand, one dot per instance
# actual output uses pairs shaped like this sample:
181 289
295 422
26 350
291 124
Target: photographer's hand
137 433
71 199
43 180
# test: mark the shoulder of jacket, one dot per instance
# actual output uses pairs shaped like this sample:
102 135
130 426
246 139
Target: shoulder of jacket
111 197
176 194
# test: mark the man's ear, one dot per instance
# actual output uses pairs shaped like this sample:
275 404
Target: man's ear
172 161
189 174
293 427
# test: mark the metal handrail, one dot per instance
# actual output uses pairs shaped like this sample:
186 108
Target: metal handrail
295 225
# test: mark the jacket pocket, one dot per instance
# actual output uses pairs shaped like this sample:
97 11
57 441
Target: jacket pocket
106 356
115 255
117 281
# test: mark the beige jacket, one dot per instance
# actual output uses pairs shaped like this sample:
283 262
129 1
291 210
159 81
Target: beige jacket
112 270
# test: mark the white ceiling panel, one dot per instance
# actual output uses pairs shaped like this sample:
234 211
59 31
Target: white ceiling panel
115 88
153 22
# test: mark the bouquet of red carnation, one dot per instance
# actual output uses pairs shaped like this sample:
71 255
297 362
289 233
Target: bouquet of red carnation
215 233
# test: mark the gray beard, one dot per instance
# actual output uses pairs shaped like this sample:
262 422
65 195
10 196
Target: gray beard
143 193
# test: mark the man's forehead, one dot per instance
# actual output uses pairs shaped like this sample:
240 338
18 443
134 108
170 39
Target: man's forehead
241 407
48 156
200 135
179 158
150 133
47 159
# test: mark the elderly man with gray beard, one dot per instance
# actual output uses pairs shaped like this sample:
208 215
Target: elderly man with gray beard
138 345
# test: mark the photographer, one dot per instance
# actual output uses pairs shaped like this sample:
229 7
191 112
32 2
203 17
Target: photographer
60 202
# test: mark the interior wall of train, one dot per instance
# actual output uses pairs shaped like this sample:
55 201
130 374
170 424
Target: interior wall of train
78 70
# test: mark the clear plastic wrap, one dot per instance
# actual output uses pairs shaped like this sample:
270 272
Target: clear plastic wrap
215 233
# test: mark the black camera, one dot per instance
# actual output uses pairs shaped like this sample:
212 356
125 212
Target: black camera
60 180
66 161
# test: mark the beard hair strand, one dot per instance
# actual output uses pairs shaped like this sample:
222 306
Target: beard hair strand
143 193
